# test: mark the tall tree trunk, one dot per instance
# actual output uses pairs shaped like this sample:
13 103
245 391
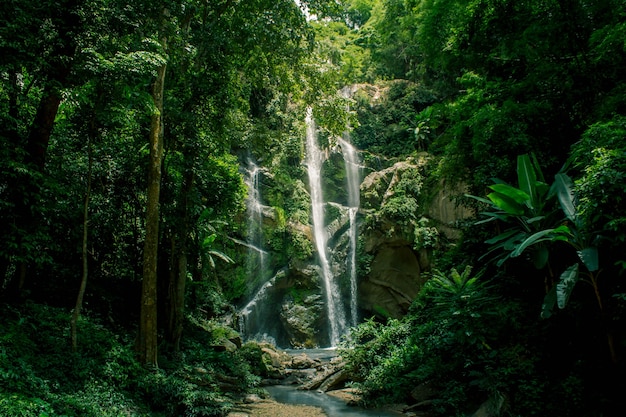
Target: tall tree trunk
178 274
83 283
41 129
148 317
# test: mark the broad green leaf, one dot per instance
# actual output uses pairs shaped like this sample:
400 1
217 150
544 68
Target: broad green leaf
566 283
481 199
563 187
542 190
527 178
589 257
516 194
506 203
494 215
535 219
538 172
502 236
533 239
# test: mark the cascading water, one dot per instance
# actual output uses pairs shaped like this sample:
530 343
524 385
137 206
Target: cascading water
255 219
334 306
353 177
253 317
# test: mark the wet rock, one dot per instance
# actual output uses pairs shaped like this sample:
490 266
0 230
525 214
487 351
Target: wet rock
303 361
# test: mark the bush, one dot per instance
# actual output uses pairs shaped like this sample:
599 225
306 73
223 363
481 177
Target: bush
40 376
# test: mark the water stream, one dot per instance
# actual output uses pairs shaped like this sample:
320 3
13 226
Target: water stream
335 309
353 177
332 406
255 219
254 323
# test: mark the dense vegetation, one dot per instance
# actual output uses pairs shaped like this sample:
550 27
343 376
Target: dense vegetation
123 127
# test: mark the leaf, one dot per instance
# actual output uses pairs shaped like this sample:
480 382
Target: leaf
491 216
506 203
540 236
537 168
589 257
481 199
535 219
527 178
502 236
563 186
519 196
566 283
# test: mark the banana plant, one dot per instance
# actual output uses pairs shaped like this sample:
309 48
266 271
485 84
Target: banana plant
527 209
535 221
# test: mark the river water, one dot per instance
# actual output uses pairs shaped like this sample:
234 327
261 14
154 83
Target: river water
332 406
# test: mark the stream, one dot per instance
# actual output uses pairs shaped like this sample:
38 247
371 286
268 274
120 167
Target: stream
332 406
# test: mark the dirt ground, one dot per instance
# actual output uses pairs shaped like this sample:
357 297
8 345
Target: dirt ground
271 408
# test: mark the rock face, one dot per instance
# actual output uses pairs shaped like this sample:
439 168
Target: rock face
446 211
390 200
393 282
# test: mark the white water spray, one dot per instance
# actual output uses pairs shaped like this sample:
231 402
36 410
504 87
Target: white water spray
252 316
353 177
336 315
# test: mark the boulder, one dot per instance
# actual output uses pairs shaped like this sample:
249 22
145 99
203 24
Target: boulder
300 320
393 282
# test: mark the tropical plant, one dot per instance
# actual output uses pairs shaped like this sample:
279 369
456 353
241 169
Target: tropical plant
536 223
526 209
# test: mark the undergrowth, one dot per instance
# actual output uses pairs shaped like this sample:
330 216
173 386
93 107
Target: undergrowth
41 376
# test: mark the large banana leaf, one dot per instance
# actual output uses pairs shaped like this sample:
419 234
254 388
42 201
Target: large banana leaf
506 203
527 178
563 187
541 236
519 196
589 257
566 284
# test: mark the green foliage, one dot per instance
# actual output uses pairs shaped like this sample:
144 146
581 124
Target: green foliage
600 158
40 376
526 210
387 127
453 342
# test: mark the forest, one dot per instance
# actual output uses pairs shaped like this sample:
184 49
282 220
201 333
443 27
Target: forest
127 129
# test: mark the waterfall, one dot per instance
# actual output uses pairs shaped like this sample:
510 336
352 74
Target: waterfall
253 321
253 317
334 307
353 177
255 221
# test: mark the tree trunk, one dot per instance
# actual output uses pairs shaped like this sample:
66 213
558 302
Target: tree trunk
148 317
178 274
41 129
83 283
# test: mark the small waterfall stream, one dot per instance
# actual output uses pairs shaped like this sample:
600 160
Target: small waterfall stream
353 177
253 316
255 218
334 306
